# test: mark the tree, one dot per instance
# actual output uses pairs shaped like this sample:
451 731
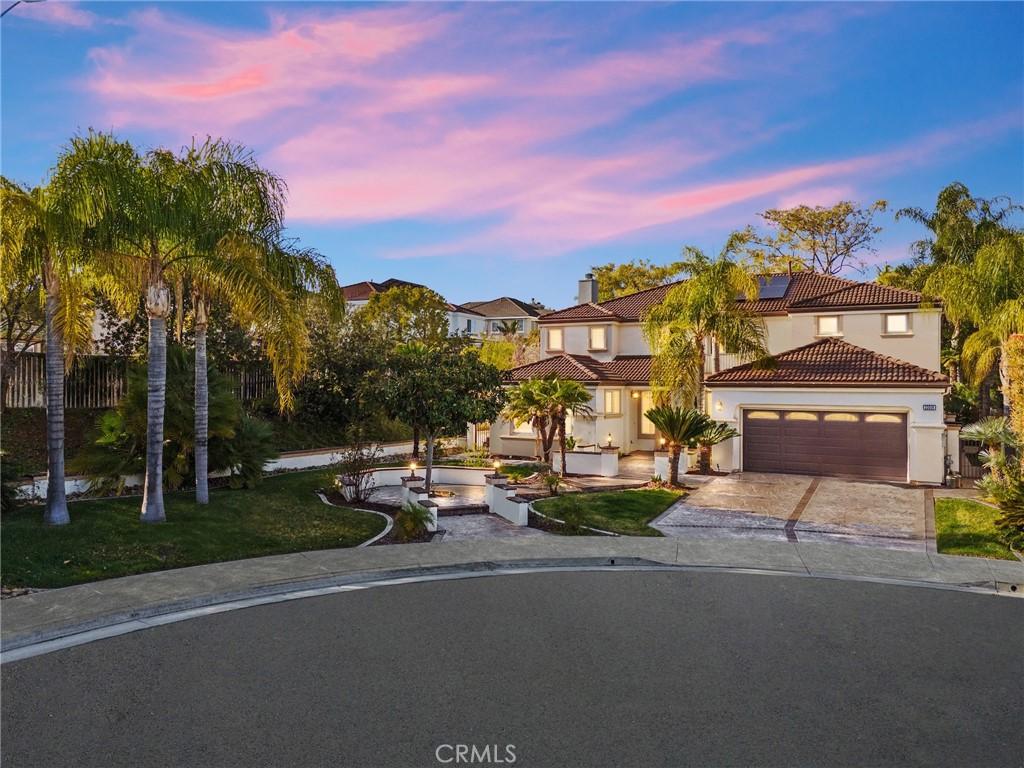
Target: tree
42 243
680 427
638 275
716 432
699 311
564 397
824 239
988 293
527 403
407 313
439 390
508 328
21 322
511 351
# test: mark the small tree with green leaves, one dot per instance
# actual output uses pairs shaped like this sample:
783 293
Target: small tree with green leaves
439 390
680 427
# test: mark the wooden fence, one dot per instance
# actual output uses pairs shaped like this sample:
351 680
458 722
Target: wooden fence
97 381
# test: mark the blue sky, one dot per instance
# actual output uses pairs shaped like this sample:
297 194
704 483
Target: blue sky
502 149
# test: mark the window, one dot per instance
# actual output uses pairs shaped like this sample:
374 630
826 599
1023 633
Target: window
646 425
883 418
801 416
598 338
763 415
469 324
828 325
897 323
612 402
842 417
555 339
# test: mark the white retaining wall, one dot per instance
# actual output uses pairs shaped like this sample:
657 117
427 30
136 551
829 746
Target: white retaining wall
604 464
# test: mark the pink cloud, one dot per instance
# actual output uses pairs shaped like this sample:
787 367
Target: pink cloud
58 13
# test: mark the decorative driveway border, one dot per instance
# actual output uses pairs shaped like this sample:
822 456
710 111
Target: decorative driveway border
60 613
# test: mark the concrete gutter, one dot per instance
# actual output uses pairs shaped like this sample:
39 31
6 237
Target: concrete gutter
61 613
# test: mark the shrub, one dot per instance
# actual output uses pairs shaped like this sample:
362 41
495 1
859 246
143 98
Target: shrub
411 522
552 481
354 469
237 443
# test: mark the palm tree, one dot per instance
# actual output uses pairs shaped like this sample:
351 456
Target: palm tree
562 397
716 432
704 309
988 293
680 427
43 237
526 404
507 328
996 434
154 227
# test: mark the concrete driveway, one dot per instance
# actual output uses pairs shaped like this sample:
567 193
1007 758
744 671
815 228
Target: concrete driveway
755 505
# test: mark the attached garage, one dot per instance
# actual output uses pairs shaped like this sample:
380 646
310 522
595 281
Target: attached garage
851 444
833 409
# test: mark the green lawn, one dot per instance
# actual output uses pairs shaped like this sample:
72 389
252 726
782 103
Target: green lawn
624 512
105 538
965 527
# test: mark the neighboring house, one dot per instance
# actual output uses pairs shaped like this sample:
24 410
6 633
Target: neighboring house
497 313
856 391
461 320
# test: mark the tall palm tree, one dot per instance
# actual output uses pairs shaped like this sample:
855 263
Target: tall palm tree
988 292
680 427
43 236
703 309
154 226
562 398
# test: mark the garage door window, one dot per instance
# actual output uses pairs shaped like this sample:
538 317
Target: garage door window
766 415
841 417
801 416
883 418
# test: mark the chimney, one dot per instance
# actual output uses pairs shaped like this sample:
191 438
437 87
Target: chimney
587 289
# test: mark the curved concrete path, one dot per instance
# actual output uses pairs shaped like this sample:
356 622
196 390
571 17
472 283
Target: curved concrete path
59 613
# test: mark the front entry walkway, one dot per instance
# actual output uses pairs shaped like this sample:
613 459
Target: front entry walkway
761 506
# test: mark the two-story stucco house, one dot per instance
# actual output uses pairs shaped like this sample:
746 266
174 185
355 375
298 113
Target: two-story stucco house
856 392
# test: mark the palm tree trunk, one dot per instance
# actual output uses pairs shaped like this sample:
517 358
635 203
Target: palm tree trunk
704 458
56 501
1004 377
673 464
561 442
202 425
430 461
157 305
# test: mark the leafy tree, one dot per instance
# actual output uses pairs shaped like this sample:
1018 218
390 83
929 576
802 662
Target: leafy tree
21 323
988 293
236 442
439 390
680 427
615 280
511 351
41 244
405 314
699 311
826 239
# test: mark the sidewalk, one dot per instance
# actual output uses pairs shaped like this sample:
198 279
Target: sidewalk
59 612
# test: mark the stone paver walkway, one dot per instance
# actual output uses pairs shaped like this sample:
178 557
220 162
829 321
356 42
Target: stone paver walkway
483 526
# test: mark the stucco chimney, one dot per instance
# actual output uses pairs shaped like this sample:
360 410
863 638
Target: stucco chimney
587 289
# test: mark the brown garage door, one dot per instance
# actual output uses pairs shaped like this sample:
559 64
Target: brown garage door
837 443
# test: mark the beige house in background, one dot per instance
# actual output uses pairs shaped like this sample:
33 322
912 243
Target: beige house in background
857 391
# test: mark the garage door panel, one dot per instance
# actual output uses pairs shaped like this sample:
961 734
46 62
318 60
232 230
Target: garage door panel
840 443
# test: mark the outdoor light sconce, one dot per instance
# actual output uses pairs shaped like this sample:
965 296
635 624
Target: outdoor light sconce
718 406
662 442
635 395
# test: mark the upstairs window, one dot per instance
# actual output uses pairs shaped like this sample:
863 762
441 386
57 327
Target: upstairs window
828 325
598 338
555 340
469 324
897 324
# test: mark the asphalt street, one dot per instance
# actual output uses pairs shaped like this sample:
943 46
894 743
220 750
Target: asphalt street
563 669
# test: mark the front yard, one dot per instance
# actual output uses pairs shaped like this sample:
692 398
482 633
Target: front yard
966 527
105 538
624 512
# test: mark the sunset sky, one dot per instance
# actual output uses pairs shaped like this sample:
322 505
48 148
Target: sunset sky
502 149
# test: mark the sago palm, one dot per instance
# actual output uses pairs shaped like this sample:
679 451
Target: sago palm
989 293
43 235
715 433
680 427
703 309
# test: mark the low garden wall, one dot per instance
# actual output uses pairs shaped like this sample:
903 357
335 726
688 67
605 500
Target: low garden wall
604 463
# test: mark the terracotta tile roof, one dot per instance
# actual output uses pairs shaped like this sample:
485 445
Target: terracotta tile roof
506 306
363 290
804 289
628 369
830 362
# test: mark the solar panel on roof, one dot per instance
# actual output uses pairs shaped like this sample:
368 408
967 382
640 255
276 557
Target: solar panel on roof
773 286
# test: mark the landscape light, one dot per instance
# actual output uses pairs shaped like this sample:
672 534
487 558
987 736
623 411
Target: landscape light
497 464
609 439
412 468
